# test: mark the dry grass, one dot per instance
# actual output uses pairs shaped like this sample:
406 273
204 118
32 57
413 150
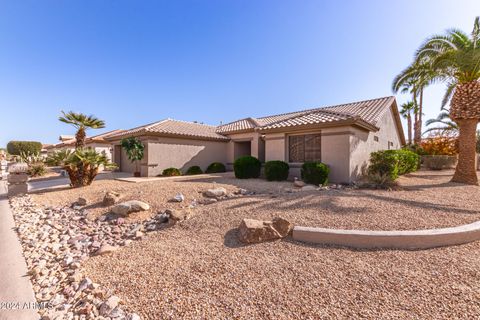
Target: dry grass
198 269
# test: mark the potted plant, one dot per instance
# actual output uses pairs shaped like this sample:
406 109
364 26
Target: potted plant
135 150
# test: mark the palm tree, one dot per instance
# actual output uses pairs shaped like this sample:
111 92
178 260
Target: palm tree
81 122
454 58
406 111
414 79
446 124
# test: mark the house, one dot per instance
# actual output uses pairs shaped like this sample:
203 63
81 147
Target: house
97 142
341 136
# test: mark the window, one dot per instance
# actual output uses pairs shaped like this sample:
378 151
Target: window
375 138
304 148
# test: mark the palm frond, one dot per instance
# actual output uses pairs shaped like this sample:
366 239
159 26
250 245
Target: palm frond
448 94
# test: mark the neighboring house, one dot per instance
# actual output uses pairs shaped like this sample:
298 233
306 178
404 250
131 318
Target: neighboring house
98 143
341 136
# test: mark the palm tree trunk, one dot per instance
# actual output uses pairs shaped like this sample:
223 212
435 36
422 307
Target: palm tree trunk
466 168
80 138
409 124
418 132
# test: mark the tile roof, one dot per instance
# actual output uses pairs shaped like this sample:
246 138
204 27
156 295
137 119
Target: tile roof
97 138
368 112
172 127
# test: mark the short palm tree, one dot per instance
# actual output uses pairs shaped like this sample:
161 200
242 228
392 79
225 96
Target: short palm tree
81 122
135 151
454 58
406 110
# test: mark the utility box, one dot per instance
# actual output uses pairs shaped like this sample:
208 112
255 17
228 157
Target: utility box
17 179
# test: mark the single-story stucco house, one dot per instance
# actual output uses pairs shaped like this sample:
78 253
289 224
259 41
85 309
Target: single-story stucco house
341 136
97 142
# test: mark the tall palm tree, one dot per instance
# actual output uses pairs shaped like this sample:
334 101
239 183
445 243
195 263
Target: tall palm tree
454 58
414 79
445 122
406 111
81 122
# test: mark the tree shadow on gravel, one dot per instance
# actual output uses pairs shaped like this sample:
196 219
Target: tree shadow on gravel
230 239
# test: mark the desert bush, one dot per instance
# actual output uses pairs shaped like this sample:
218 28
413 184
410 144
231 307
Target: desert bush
276 170
315 173
171 172
440 145
247 167
438 162
393 162
37 169
216 167
27 147
378 180
194 170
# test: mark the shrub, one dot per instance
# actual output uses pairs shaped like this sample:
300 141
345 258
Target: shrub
315 173
37 170
380 181
216 167
247 167
58 158
194 170
171 172
276 170
440 145
27 147
82 166
393 162
438 162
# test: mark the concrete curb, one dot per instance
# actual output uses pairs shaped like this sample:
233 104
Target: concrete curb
408 239
15 287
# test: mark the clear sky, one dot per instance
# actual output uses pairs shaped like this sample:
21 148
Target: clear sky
134 62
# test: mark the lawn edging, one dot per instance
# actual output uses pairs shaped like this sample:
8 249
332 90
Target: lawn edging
404 239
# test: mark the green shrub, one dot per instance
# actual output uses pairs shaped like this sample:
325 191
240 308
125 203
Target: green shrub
247 167
315 173
216 167
393 162
37 170
194 170
26 147
170 172
276 170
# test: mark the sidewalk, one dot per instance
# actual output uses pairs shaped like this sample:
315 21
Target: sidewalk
15 286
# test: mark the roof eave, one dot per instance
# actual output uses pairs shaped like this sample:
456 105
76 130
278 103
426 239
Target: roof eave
349 122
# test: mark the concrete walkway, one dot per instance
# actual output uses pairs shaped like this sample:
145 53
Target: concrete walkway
15 286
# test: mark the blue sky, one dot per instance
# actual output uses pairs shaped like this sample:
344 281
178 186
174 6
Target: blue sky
134 62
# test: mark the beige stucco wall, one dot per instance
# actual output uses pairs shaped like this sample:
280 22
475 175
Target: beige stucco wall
166 152
344 149
362 143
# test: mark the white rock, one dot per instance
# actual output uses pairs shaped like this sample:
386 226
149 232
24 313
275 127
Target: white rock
178 198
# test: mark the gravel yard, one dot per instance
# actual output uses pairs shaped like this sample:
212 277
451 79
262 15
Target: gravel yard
198 269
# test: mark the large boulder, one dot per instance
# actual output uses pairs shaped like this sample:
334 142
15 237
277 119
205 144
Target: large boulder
255 231
125 208
111 198
215 193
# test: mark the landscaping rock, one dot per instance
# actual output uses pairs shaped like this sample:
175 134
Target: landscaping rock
105 249
299 183
255 231
176 215
209 201
111 198
125 208
81 202
309 188
215 193
283 227
108 306
178 198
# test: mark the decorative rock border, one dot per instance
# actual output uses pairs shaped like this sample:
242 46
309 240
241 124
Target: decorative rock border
408 239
